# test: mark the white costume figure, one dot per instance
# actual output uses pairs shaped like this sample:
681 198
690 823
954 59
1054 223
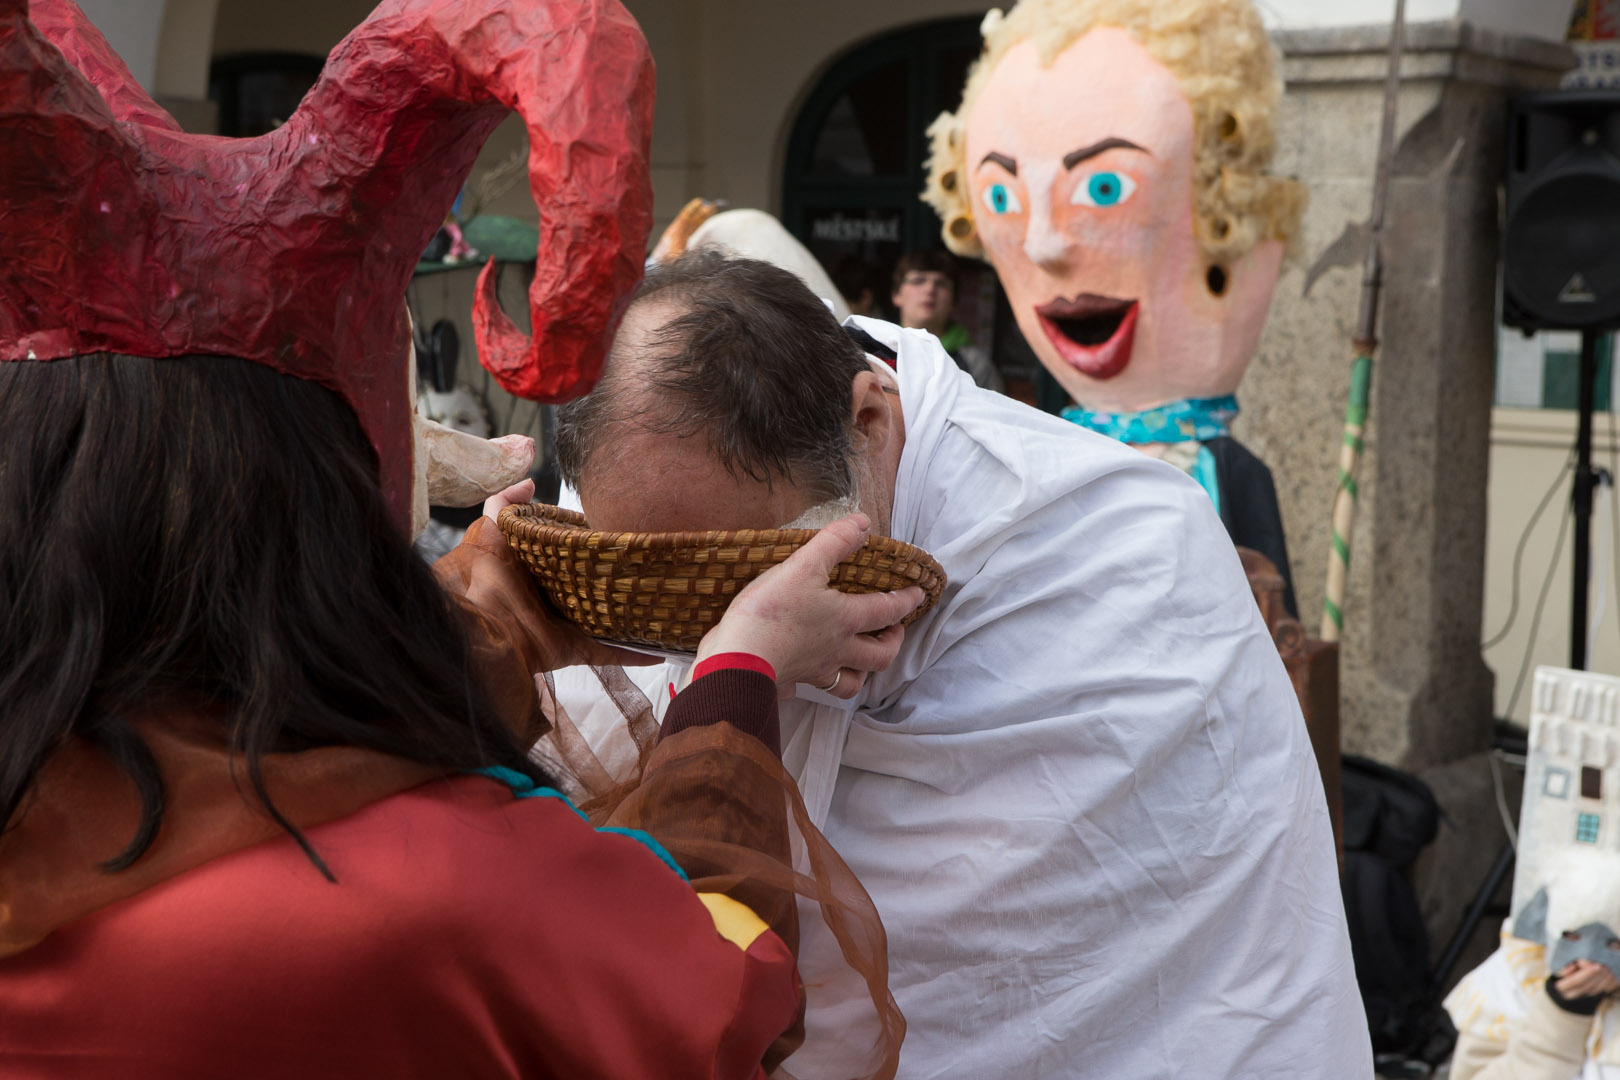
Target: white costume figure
1512 1022
755 234
1082 797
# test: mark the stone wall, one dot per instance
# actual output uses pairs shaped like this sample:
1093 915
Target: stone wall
1415 689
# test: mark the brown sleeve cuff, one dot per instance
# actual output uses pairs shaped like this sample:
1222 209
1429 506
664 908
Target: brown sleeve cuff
744 699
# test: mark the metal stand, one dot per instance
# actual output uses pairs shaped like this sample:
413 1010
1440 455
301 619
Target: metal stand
1585 481
1471 919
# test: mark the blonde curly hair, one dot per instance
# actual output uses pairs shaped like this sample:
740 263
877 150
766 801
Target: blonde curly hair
1219 53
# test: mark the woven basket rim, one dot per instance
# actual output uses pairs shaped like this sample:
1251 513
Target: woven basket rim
536 520
667 589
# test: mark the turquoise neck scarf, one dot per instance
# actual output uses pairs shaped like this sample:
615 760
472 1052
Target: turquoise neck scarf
1180 421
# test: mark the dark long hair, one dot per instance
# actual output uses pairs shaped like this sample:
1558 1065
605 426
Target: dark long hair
205 530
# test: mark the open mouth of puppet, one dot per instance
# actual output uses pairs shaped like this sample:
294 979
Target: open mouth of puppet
1093 333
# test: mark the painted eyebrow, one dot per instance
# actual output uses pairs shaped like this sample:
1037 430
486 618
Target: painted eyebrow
1075 157
1000 159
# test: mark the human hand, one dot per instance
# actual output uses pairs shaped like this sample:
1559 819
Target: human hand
483 571
806 629
1585 978
520 492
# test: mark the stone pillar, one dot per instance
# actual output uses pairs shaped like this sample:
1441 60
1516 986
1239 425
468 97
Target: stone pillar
1415 690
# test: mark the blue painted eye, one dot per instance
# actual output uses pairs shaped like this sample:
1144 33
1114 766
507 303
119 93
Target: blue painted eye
1102 189
1000 199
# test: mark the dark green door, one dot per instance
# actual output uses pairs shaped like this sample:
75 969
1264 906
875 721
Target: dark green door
851 187
856 153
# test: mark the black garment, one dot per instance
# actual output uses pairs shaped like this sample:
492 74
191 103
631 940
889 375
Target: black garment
1390 816
1249 507
1581 1006
871 345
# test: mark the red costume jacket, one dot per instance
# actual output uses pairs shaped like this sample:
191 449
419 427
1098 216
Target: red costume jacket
471 932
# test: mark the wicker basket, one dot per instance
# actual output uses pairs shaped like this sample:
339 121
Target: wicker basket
667 589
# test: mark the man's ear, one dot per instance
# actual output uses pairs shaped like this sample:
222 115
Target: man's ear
871 411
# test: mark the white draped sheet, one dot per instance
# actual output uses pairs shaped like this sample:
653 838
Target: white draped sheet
1083 797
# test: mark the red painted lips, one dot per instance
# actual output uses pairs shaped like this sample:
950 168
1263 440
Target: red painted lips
1094 333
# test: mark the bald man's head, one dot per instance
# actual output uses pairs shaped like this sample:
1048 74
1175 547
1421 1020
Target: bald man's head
733 360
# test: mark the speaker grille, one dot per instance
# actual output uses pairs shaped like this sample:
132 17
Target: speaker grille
1561 239
1562 251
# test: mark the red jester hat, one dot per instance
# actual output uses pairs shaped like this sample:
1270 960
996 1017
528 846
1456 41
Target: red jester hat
123 233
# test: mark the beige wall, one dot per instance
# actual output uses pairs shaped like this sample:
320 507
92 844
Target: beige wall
134 28
305 26
731 77
185 49
674 30
727 90
1529 448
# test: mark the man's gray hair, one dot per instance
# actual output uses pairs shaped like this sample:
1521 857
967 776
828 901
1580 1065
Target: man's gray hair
749 358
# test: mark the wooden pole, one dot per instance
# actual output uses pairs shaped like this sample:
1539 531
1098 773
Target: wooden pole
1365 346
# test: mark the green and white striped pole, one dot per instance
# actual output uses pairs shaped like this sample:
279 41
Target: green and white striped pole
1344 500
1366 346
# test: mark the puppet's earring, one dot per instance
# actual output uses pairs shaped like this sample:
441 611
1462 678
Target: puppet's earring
1216 280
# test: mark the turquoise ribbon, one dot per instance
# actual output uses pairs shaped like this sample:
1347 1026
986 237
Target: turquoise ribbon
1203 471
524 788
1180 421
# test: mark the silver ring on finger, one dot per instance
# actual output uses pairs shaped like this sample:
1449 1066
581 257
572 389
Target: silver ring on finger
830 687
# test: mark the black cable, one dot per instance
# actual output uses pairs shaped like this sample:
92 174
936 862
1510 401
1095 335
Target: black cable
1535 620
1518 552
1614 504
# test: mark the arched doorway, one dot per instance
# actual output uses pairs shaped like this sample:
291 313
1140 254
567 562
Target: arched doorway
855 166
856 151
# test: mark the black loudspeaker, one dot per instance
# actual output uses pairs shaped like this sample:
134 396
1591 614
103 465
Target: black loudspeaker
1561 244
1561 263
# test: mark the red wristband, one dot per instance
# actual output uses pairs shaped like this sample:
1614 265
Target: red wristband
732 661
